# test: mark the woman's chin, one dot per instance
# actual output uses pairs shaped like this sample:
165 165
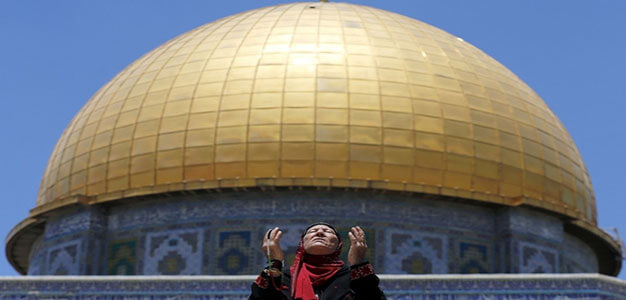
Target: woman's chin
319 250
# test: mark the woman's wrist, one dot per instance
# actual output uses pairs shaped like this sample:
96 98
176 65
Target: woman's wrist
362 263
276 264
277 255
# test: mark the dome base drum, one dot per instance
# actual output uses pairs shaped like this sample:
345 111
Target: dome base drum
218 233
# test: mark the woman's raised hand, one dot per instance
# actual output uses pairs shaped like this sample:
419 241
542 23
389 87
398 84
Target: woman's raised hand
271 242
358 246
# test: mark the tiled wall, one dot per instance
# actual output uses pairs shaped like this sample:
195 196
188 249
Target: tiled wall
220 233
579 258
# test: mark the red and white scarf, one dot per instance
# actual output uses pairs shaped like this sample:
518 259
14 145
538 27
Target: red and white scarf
310 270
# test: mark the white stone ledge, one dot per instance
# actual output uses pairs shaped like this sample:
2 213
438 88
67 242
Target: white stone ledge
383 277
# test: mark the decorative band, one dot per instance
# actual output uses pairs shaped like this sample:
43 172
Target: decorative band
262 282
361 271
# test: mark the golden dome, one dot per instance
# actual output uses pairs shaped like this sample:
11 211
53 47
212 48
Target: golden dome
319 94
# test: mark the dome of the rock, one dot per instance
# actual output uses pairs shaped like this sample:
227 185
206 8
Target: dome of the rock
334 99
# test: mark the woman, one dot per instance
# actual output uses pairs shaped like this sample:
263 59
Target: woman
317 272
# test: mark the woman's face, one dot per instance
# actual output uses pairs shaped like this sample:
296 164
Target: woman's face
320 240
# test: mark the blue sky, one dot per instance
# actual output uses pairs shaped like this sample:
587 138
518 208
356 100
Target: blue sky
55 54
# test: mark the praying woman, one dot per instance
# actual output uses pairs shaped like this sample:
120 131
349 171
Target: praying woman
317 272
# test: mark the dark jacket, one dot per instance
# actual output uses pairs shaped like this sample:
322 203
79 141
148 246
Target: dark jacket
357 282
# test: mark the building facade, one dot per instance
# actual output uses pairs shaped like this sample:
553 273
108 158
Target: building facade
295 113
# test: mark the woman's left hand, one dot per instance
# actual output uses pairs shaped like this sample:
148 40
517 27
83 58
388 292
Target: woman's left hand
358 246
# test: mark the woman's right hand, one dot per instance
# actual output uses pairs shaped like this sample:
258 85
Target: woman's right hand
271 241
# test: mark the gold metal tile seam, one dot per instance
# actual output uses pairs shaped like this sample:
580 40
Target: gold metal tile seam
107 162
241 18
52 171
61 146
219 116
380 145
345 19
186 135
315 92
71 147
46 181
116 83
130 69
525 162
132 72
340 16
429 36
43 185
285 67
264 46
387 22
282 161
403 22
350 160
376 13
471 127
282 94
56 158
525 180
181 40
252 93
161 51
472 51
431 72
349 93
170 45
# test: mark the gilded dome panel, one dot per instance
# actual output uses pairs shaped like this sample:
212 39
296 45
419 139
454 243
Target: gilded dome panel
319 94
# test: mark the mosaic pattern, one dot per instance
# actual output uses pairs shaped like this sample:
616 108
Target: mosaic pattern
531 223
473 257
64 259
122 258
579 258
305 205
537 259
36 264
320 94
466 287
176 252
78 221
410 252
235 252
37 258
222 235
